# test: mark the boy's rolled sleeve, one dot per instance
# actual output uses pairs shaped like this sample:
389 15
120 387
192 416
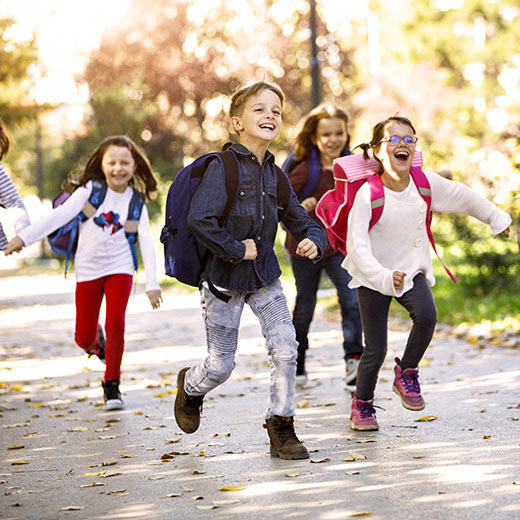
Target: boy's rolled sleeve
207 205
301 226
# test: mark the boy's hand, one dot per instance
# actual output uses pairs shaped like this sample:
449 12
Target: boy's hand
307 248
14 246
155 298
309 203
398 278
251 252
505 233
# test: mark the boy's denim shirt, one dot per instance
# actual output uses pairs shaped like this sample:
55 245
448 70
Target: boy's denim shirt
254 214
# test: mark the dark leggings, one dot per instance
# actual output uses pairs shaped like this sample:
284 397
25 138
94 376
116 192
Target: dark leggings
374 306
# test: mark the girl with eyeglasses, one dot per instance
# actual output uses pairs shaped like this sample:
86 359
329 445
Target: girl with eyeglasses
392 260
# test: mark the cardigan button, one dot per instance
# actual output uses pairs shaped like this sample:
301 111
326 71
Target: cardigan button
422 208
418 242
420 225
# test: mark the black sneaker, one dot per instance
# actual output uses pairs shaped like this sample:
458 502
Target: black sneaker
187 407
100 351
112 395
301 374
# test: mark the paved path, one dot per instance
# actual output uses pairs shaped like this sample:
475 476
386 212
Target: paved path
62 456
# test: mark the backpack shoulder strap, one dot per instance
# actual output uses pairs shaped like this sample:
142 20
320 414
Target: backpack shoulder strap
135 208
232 175
96 198
423 185
377 198
283 192
313 175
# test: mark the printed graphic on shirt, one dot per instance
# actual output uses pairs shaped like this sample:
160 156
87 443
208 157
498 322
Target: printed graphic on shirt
107 220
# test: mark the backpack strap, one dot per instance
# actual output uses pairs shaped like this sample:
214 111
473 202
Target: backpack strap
96 198
421 181
283 193
313 175
135 208
377 198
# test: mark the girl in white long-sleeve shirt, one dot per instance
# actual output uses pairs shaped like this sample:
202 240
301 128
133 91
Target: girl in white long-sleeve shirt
392 260
103 262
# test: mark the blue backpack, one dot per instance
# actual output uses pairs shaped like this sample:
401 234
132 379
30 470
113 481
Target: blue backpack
64 241
184 256
313 167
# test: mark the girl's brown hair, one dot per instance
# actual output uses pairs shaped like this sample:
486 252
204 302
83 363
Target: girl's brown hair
378 132
4 140
306 139
143 179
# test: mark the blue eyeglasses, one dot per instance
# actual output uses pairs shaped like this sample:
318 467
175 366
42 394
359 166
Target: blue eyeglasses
395 139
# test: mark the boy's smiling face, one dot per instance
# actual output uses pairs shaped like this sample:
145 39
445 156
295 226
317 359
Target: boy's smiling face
261 118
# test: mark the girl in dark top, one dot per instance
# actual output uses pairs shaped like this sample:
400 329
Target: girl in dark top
323 138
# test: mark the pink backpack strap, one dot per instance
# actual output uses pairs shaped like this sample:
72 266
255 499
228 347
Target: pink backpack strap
377 198
421 181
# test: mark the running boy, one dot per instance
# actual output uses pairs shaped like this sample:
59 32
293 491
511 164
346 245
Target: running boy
244 269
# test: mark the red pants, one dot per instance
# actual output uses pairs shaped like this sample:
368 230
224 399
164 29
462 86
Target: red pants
116 288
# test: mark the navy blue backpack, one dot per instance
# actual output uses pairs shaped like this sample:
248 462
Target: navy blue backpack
64 241
313 168
184 256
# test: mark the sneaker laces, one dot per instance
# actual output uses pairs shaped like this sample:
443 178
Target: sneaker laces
367 410
411 382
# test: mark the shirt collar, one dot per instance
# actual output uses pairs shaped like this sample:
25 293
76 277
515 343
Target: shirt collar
242 150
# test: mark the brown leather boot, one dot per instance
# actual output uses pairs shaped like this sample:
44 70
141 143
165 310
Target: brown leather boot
187 407
284 443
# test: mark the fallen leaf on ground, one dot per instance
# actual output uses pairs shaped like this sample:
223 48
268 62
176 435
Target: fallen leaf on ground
319 461
72 508
94 484
353 473
225 502
360 514
354 456
77 429
19 462
208 508
111 474
16 447
418 456
109 462
486 436
117 492
197 472
155 478
96 474
303 404
184 488
173 495
173 441
365 441
127 456
292 475
222 434
197 498
425 362
231 488
427 418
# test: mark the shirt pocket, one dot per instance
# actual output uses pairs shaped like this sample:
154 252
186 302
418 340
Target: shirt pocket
245 201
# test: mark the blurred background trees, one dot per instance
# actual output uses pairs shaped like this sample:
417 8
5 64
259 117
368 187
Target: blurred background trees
164 71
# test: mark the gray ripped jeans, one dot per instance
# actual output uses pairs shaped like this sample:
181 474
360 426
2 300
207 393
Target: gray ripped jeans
222 321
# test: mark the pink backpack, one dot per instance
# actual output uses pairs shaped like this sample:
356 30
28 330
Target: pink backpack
350 173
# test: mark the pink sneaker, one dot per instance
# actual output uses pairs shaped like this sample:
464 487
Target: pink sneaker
406 386
363 416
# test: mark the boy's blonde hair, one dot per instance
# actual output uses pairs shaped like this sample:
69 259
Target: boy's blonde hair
244 93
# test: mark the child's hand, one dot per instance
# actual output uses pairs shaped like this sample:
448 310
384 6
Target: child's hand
155 298
505 233
398 278
14 246
307 248
251 252
309 203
